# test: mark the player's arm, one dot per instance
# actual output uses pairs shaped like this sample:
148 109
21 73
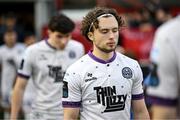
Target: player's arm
17 97
71 113
71 98
139 110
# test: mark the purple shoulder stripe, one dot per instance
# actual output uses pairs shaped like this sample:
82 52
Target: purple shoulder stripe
138 96
71 104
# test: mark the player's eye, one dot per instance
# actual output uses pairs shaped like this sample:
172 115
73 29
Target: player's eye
59 36
115 30
104 31
63 36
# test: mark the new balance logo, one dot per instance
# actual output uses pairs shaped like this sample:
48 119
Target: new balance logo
89 74
42 57
93 78
90 77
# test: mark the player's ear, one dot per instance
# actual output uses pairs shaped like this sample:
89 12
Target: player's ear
90 36
49 31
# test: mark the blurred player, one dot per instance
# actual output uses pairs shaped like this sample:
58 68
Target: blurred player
103 83
46 63
163 90
10 54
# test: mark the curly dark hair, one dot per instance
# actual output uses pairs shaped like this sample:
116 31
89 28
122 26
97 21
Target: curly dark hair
61 23
92 16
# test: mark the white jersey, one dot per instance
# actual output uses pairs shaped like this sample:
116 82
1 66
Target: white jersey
165 53
9 60
103 90
47 65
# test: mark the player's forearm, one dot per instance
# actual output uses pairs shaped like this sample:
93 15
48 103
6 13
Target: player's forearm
71 114
16 103
143 115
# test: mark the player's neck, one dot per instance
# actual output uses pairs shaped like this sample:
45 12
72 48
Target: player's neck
102 55
10 45
54 44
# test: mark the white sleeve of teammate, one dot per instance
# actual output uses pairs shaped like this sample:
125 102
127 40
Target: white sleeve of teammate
154 53
71 89
167 69
81 50
25 68
137 89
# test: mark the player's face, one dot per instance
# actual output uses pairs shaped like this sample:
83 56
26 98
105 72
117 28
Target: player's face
60 39
105 37
10 38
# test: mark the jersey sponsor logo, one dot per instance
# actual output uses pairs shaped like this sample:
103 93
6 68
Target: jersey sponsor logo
90 77
127 72
42 57
65 89
107 97
22 64
72 54
56 72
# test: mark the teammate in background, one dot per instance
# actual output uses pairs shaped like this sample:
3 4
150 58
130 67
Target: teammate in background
29 38
103 84
119 47
164 82
46 62
10 22
10 52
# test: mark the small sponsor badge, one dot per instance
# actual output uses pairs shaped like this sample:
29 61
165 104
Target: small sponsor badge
65 89
127 72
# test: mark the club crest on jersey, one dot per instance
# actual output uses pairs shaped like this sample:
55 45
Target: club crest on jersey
127 72
72 54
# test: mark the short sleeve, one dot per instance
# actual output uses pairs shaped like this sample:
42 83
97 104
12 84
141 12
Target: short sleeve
137 89
71 89
167 72
25 68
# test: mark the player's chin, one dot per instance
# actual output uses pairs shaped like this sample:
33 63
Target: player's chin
112 47
110 50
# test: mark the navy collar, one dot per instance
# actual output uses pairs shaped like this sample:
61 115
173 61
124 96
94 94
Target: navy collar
46 40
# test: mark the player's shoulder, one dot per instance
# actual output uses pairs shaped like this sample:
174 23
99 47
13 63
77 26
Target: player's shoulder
3 50
36 46
169 26
125 59
74 43
2 47
79 64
